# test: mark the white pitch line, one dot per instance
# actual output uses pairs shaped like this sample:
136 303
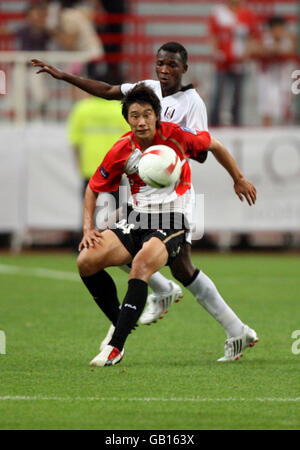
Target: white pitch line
9 269
39 272
150 399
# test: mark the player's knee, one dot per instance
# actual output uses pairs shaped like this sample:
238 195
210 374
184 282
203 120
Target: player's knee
142 268
88 264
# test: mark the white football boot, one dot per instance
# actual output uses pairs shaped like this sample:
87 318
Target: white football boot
234 346
158 304
108 357
107 338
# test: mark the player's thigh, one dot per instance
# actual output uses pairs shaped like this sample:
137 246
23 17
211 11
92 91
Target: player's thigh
182 267
109 251
152 257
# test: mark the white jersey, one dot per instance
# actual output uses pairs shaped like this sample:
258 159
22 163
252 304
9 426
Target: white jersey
185 108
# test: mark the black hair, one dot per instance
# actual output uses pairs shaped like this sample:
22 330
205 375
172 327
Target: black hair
141 94
276 20
175 47
68 3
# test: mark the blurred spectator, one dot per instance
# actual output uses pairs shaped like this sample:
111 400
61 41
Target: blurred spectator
33 36
233 28
73 30
276 52
118 7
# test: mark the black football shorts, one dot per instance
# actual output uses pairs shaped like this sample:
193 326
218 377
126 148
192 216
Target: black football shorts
138 228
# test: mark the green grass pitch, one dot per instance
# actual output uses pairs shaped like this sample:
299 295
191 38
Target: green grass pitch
169 378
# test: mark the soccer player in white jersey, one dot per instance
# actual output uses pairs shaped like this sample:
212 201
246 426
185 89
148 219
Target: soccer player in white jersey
182 105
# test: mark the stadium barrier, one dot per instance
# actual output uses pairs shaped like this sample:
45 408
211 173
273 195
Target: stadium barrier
40 185
25 91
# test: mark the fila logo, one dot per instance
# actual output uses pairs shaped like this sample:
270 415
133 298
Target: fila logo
169 112
127 305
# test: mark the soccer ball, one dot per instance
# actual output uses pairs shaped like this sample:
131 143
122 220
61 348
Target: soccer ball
159 166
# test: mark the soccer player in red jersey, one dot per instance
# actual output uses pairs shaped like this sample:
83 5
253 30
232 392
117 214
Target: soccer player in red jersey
134 239
182 105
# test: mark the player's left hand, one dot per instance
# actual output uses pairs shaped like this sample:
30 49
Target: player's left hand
244 188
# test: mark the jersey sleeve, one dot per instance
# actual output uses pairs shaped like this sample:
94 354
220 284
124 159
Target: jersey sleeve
195 141
108 176
126 87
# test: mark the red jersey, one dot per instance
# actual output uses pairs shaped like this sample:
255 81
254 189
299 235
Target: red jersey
124 157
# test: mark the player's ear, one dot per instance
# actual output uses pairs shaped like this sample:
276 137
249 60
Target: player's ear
185 68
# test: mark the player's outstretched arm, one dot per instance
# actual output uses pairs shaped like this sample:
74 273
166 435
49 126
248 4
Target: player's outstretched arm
93 87
243 187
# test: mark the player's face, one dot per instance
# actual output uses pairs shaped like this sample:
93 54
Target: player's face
169 71
142 120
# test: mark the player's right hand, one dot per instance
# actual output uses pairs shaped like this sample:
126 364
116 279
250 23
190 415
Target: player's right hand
53 71
89 239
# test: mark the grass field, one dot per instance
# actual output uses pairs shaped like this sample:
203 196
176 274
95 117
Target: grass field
169 378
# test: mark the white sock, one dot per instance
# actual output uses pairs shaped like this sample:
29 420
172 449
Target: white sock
208 296
158 283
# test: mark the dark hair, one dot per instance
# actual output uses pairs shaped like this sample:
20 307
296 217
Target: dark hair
175 47
141 94
276 20
68 3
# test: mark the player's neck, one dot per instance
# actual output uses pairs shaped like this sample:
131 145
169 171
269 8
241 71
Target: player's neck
166 92
144 143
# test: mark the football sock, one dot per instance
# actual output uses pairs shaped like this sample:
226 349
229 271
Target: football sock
104 292
206 293
131 310
158 283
